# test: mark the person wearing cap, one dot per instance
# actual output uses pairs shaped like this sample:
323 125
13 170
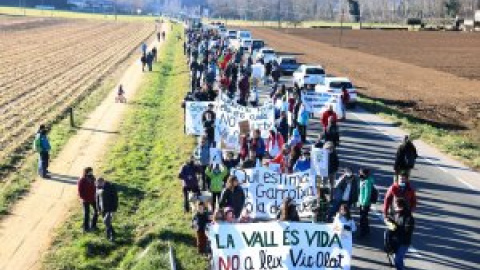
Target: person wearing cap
233 196
303 164
41 145
107 204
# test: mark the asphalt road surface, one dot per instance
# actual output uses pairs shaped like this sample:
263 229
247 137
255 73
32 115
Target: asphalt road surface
447 231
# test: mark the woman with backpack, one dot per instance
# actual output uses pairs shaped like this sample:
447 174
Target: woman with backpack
365 195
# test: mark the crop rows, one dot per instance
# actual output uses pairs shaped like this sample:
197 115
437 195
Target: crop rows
54 69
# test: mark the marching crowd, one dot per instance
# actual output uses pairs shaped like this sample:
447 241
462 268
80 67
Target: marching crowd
216 68
217 195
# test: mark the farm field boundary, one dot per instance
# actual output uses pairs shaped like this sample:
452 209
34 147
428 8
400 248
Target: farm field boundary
144 164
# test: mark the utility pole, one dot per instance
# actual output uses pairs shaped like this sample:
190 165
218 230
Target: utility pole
278 13
341 28
115 9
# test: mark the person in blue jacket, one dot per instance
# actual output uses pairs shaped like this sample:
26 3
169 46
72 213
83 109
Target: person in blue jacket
42 146
303 163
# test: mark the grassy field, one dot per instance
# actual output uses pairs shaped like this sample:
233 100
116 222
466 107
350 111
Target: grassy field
15 11
305 24
461 147
144 163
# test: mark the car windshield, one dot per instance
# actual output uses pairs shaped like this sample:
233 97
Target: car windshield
268 52
247 42
341 85
245 35
258 44
289 61
315 71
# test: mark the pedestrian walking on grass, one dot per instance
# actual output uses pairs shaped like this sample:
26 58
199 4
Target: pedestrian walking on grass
107 204
150 61
154 53
199 224
86 192
41 145
188 175
143 59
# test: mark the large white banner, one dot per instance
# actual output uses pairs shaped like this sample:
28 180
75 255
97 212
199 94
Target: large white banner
265 191
229 114
280 245
316 102
193 116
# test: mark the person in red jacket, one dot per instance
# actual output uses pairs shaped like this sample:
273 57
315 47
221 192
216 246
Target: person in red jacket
400 189
86 192
327 115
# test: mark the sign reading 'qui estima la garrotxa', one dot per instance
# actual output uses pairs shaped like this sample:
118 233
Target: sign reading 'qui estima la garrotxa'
279 245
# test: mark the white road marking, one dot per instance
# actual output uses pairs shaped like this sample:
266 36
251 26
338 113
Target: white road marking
426 159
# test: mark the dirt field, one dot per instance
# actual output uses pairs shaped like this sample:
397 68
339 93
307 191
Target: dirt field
388 67
457 53
45 69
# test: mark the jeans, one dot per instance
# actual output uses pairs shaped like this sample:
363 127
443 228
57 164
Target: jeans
205 178
43 163
364 226
107 220
303 132
400 257
87 226
186 190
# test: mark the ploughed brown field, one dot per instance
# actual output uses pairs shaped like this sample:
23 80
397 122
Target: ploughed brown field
434 76
46 65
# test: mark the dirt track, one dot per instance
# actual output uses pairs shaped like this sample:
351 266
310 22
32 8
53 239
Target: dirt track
442 98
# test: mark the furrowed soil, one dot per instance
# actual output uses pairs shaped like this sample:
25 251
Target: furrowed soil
434 76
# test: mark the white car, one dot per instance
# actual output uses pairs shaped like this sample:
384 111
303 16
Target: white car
246 44
309 75
267 54
232 34
244 34
335 85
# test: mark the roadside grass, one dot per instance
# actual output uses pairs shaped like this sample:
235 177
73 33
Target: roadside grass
461 146
16 11
143 162
21 169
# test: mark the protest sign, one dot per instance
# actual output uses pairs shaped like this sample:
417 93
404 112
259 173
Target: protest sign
315 102
275 167
265 191
193 117
258 71
279 245
230 114
319 161
215 156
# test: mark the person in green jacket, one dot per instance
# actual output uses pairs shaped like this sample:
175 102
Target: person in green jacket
216 175
364 199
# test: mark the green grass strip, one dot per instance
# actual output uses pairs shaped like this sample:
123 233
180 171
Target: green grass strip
144 163
463 147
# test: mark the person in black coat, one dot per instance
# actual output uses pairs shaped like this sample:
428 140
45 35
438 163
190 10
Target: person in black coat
403 224
331 134
233 196
405 157
107 204
282 125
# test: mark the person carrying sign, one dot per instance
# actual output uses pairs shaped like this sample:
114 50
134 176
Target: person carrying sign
303 163
343 220
288 211
282 159
320 207
233 196
346 191
217 174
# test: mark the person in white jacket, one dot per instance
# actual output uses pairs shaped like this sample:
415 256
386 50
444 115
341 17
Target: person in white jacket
343 220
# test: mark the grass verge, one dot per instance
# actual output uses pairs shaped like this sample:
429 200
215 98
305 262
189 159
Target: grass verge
144 163
460 146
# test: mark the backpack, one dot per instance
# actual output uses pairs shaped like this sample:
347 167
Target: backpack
410 158
374 195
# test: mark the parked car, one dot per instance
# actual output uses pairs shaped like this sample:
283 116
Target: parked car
309 75
244 34
288 64
222 30
257 44
334 85
246 44
267 54
232 34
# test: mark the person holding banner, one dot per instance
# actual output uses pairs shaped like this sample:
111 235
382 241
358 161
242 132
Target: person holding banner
188 175
303 164
258 144
251 162
288 211
344 221
320 207
346 191
231 161
216 174
233 196
282 159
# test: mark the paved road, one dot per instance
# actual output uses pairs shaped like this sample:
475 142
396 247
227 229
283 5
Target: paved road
447 234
